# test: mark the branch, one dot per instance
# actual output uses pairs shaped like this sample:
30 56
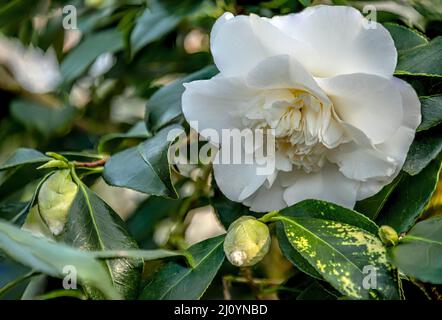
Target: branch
93 164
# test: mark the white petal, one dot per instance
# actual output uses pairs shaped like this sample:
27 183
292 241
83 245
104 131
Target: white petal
237 181
370 103
361 164
215 103
267 199
397 146
410 103
240 43
370 188
328 184
342 41
284 72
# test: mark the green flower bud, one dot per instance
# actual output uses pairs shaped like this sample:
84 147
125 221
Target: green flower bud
55 198
54 164
247 241
388 236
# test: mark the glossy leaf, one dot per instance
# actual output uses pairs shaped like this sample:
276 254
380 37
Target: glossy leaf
293 255
430 9
144 168
419 253
83 55
14 279
426 146
423 60
93 226
228 210
340 253
15 179
23 156
330 211
151 26
48 121
323 210
146 255
175 281
112 141
371 207
410 198
158 20
316 291
51 258
165 105
405 38
431 108
142 222
20 216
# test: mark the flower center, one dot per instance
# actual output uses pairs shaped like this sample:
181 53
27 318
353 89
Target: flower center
298 131
301 122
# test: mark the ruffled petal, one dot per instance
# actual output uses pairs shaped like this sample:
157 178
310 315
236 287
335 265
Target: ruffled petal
343 40
328 184
213 105
239 43
370 103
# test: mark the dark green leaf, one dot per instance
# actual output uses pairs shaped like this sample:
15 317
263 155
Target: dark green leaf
15 12
175 281
227 210
431 108
13 280
341 253
165 105
316 291
425 147
23 156
405 38
423 60
371 207
430 9
330 211
410 198
13 180
11 209
93 226
83 55
20 216
158 20
151 26
294 256
419 253
144 168
51 258
322 210
146 255
46 120
142 222
111 141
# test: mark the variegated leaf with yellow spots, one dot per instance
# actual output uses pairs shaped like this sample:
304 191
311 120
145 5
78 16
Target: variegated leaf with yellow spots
350 258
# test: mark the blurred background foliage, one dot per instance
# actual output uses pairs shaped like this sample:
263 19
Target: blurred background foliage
112 66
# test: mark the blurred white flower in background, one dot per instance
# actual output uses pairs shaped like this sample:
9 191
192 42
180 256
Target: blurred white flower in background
203 224
324 83
102 64
35 70
128 107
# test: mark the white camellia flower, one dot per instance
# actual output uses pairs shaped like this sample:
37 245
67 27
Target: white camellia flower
35 70
324 82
